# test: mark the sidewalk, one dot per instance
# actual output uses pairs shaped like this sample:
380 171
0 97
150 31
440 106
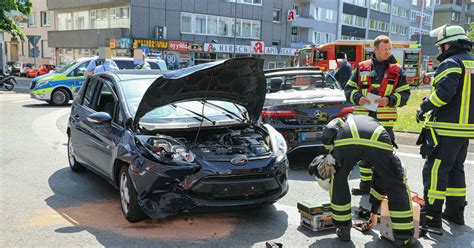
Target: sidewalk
409 139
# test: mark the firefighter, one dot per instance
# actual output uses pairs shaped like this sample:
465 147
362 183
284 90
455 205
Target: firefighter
345 69
351 139
382 76
448 127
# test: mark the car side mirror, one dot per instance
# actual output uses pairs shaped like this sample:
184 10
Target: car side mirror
100 118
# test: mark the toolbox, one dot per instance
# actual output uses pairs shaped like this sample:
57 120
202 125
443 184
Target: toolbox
315 215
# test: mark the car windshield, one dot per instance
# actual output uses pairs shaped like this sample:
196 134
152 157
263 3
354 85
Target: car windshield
182 114
301 82
64 68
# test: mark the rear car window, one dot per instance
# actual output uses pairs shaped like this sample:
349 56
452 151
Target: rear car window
125 64
300 82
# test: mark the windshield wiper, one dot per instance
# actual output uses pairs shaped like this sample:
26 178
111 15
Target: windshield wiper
225 110
200 115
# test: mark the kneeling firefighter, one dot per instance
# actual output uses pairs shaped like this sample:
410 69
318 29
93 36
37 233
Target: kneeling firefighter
350 140
448 127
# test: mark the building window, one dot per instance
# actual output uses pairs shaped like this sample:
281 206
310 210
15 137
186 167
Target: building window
384 7
316 38
200 24
317 13
393 29
246 28
362 3
329 37
455 16
395 10
403 12
224 24
64 21
275 43
31 20
253 2
276 15
45 18
374 4
373 24
45 50
347 19
329 15
186 20
119 17
414 2
427 19
80 20
212 25
413 15
360 21
383 26
403 30
297 9
468 19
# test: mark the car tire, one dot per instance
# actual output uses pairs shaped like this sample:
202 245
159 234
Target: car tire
128 197
73 164
60 97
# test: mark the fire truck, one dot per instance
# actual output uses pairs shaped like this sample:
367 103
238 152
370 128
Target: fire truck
407 54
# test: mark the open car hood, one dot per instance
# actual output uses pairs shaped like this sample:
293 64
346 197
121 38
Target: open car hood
239 80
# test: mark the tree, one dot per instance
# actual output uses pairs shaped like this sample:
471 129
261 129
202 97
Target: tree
470 34
19 12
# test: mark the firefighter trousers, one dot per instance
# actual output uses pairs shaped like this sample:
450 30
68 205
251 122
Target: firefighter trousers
388 167
443 175
366 170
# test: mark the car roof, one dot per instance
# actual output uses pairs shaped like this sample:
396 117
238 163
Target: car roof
293 71
122 75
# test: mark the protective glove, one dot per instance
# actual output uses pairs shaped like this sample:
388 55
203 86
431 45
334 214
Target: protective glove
420 115
327 167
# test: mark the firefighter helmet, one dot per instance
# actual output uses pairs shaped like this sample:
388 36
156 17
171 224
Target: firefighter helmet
330 131
447 33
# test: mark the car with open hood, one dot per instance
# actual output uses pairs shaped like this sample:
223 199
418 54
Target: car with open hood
300 102
181 140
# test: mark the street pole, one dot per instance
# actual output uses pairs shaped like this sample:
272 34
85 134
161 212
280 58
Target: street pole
235 24
421 20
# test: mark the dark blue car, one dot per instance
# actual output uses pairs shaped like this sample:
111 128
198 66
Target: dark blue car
179 141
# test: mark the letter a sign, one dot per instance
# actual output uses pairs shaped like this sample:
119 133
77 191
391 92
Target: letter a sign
258 47
291 15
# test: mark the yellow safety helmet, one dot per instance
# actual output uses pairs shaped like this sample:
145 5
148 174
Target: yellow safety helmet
447 33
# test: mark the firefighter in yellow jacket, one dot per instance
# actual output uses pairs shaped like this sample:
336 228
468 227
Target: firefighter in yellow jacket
448 127
380 76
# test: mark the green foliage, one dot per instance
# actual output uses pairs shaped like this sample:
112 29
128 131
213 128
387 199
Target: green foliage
470 34
12 7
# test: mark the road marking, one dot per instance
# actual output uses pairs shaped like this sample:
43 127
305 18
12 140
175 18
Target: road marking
45 128
411 155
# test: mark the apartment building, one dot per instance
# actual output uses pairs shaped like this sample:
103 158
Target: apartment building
454 12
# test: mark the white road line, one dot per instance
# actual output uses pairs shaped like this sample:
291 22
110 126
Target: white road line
411 155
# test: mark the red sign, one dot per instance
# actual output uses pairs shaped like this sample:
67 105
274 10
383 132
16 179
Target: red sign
291 15
430 62
258 47
178 46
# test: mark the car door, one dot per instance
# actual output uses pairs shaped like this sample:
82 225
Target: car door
105 138
77 77
81 135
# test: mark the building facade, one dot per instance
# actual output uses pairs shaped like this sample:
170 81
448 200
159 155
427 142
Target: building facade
316 22
184 32
453 12
39 22
421 19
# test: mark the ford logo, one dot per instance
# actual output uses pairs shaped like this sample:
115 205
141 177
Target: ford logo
239 160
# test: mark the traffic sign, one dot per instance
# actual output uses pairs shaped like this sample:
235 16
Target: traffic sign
33 39
34 52
430 62
291 15
145 49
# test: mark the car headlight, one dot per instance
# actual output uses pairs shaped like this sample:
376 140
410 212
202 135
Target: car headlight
278 143
41 84
169 150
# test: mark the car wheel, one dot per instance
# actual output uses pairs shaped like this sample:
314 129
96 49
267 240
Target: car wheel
128 198
60 97
73 164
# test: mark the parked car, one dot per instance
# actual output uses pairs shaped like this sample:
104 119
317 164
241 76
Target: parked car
60 86
300 102
21 68
40 70
182 140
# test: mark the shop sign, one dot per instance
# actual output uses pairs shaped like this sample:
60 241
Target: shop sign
184 55
271 50
160 44
226 48
178 45
258 47
195 46
288 51
122 43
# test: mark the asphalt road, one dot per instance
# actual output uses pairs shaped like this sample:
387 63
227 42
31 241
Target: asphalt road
43 203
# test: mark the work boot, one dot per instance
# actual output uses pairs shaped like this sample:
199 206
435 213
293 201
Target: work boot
431 219
364 188
411 242
344 232
454 214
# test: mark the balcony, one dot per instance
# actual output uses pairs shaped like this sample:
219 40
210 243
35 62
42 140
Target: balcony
89 38
305 22
56 5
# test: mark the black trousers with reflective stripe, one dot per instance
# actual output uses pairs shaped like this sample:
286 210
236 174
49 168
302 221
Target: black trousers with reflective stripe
366 172
443 174
388 167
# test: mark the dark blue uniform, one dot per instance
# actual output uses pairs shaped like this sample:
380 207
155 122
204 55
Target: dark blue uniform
344 73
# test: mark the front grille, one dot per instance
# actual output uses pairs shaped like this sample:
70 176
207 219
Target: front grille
235 187
33 84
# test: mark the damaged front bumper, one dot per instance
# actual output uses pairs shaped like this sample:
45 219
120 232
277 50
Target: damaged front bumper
165 190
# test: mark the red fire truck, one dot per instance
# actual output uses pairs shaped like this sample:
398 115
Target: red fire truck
407 53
